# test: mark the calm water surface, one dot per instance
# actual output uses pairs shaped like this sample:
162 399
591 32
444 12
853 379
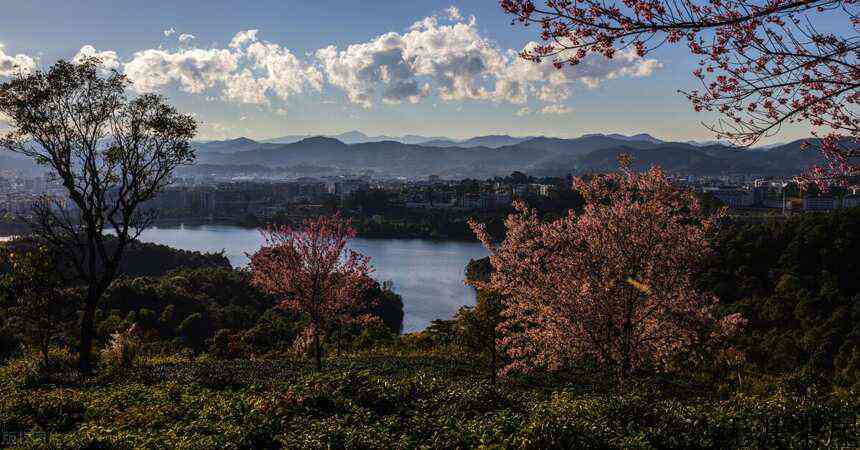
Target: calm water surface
427 274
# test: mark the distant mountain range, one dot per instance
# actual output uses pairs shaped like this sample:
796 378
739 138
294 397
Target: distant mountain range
480 157
488 156
491 141
356 137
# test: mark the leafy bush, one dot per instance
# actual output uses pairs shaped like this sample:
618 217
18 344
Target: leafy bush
34 370
10 343
123 350
402 402
796 281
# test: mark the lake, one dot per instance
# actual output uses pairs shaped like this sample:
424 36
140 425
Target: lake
427 274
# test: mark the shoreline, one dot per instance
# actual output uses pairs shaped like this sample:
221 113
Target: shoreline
168 223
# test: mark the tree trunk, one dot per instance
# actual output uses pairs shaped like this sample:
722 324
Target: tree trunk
317 350
46 351
87 325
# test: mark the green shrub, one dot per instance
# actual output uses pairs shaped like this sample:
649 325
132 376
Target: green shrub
123 350
10 344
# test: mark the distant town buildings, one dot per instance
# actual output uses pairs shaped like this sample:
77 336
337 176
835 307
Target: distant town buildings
753 192
237 198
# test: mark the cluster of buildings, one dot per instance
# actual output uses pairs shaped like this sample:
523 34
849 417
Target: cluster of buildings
267 199
750 193
465 195
19 191
236 199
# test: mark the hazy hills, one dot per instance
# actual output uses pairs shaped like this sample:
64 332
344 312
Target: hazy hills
13 161
488 156
479 157
356 137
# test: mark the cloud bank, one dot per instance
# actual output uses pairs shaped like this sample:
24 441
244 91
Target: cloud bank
12 64
443 57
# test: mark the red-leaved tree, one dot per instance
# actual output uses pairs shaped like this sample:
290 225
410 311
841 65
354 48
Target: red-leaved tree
312 272
763 63
612 287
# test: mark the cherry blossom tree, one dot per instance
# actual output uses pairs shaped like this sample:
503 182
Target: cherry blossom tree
763 64
612 287
312 271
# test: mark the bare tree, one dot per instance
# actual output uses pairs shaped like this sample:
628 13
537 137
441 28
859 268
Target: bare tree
112 153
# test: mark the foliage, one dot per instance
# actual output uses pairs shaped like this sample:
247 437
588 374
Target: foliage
193 331
479 269
762 64
123 350
796 281
31 291
386 304
310 271
478 329
111 154
223 297
10 343
612 287
402 402
143 259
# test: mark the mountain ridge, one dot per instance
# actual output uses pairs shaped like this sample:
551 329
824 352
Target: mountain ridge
535 155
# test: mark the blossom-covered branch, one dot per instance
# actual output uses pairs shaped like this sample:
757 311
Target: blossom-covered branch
762 64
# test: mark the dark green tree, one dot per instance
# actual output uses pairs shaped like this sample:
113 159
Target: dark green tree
110 152
32 294
477 329
194 331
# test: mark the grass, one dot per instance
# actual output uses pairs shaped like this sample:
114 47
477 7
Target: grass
390 401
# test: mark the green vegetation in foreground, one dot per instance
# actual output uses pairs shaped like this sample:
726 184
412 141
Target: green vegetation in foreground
398 398
253 385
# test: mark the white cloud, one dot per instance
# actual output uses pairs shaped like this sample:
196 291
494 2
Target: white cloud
243 37
556 109
109 58
546 109
451 60
13 64
245 87
443 57
214 131
550 84
456 63
362 70
242 73
285 74
453 13
195 70
185 38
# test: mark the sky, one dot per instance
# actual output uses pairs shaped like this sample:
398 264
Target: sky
268 68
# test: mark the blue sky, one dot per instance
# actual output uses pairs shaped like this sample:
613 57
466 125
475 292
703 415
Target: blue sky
381 66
